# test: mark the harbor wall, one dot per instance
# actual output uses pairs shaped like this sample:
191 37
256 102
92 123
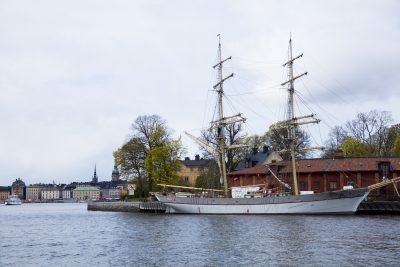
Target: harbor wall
114 206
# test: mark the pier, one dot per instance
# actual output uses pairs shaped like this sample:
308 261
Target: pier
379 207
139 206
114 206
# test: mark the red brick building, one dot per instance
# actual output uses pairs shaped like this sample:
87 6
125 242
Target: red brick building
320 175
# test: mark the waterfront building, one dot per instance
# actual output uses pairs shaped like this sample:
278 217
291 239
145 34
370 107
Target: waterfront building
86 193
326 174
257 158
110 193
115 174
18 188
33 192
50 193
66 193
4 193
191 169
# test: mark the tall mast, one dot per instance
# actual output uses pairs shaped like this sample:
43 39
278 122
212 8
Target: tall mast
291 123
221 126
222 121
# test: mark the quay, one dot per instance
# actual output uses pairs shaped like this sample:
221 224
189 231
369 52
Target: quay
379 207
145 207
114 206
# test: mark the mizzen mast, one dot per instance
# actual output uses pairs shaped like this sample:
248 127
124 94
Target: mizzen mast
222 121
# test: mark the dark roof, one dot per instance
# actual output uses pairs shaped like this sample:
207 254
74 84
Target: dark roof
253 170
196 163
254 159
4 188
354 164
358 164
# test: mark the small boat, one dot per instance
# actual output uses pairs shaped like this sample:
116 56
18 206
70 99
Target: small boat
13 200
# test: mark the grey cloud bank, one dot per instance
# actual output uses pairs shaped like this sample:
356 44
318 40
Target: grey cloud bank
75 74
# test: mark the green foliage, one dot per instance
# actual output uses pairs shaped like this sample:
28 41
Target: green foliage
209 179
162 163
353 147
150 155
396 146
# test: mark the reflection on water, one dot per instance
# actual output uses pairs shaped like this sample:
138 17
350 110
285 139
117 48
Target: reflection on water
69 235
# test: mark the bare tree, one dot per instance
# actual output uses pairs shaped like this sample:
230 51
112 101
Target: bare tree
335 138
233 136
371 128
278 140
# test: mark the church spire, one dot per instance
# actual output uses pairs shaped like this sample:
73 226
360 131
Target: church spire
94 178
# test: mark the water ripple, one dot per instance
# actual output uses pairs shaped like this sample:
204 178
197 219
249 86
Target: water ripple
69 235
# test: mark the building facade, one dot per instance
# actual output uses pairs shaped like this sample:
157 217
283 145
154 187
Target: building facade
4 193
66 193
18 188
86 193
110 193
50 193
33 192
191 169
322 175
259 157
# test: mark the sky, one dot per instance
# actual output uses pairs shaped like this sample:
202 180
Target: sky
75 74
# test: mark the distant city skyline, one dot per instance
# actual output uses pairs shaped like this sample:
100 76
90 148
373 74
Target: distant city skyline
75 75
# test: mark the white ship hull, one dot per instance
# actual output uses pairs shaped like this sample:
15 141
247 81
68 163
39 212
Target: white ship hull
324 203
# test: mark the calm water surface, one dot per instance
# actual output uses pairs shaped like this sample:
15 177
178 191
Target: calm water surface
69 235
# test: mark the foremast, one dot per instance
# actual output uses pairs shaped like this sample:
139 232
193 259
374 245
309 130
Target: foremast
292 121
220 124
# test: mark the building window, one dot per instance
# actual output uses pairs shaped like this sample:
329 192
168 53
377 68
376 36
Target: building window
315 185
303 185
332 185
186 179
384 169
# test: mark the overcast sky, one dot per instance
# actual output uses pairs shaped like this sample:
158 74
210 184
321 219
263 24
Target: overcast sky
74 75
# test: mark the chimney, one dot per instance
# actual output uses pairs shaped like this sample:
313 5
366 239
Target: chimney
187 158
197 157
339 153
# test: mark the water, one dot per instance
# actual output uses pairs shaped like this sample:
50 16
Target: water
69 235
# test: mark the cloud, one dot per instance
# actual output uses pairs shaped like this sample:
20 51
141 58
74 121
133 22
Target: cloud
74 75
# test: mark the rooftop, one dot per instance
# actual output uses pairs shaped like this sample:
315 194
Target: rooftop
86 188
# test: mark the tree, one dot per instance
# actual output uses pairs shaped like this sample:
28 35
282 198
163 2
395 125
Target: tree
162 163
371 128
353 147
335 138
396 146
149 147
233 136
210 178
392 134
130 158
278 140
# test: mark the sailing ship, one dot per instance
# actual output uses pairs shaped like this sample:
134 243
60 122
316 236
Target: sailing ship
335 202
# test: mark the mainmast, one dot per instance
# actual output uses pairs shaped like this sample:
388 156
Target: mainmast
293 122
222 121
